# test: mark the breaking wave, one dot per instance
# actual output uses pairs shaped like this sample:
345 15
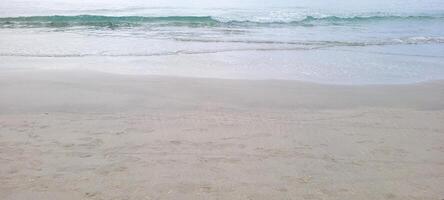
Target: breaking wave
58 21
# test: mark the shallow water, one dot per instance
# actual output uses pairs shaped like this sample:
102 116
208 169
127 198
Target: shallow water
345 43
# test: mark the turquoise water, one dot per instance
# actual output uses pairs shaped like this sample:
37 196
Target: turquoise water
345 42
101 21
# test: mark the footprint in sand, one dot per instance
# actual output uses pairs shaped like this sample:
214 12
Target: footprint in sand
92 144
175 142
91 194
79 154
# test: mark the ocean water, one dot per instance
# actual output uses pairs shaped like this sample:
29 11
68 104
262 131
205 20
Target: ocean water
340 42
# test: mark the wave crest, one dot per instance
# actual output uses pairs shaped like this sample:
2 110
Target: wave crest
58 21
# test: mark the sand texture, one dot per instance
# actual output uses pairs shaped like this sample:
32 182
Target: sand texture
83 135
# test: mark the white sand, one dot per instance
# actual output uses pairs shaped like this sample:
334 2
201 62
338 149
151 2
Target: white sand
84 135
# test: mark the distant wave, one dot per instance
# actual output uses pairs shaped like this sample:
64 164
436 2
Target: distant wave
58 21
103 21
366 18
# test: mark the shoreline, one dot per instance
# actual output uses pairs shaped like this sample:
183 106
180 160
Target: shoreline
391 64
76 87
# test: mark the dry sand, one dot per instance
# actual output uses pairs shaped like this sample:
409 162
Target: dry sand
85 135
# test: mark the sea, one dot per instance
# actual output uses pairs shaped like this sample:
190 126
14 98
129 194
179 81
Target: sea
322 41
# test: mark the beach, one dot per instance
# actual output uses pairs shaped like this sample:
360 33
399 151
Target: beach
73 134
222 100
